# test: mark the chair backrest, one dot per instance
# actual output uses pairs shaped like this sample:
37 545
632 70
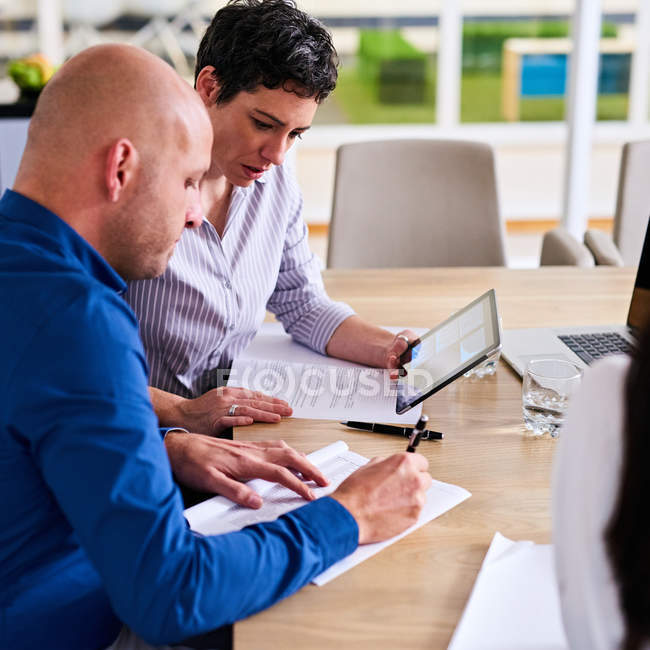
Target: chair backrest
561 248
406 203
633 201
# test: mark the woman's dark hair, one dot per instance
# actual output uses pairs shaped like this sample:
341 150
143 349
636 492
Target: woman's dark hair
627 536
270 43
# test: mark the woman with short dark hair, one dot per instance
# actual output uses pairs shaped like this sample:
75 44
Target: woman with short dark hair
263 67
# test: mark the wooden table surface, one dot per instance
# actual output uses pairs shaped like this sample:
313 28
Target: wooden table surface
411 594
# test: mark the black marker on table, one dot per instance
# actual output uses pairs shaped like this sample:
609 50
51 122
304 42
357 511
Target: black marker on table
427 434
417 432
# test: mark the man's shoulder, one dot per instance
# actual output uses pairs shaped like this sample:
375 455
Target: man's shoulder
50 298
96 315
37 263
47 286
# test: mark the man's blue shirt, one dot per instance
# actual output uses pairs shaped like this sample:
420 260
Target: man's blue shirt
91 528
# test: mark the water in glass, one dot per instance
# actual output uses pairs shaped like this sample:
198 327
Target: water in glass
547 388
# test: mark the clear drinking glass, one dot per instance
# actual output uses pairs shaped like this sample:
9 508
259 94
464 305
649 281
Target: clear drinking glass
547 388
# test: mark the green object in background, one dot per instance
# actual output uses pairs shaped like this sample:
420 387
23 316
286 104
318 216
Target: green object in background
358 103
394 68
480 102
483 40
25 76
481 95
31 73
357 95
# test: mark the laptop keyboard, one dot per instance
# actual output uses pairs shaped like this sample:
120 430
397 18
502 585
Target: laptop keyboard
590 347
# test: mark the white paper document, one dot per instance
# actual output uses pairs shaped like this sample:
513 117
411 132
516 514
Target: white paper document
515 603
316 386
220 515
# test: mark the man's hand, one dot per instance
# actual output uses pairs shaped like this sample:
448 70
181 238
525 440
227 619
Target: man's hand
215 465
209 413
386 496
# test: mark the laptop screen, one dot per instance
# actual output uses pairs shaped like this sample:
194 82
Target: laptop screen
639 315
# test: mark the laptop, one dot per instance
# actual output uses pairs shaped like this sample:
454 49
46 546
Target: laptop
583 345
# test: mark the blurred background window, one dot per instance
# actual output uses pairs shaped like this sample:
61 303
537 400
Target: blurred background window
516 67
387 52
490 70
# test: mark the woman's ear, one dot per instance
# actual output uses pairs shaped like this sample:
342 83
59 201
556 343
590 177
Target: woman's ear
122 162
207 85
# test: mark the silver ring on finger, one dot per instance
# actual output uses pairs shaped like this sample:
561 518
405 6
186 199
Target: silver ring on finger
404 338
232 409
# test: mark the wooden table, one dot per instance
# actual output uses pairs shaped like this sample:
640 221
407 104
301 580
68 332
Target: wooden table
411 595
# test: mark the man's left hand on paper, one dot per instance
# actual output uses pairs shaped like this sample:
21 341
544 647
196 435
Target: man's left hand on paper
216 465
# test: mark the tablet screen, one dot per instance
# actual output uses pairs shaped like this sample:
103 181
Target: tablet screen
449 350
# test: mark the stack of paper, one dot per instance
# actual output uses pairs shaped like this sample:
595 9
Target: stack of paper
316 386
515 603
220 515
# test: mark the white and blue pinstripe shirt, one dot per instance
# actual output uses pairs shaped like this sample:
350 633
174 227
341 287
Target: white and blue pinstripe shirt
208 305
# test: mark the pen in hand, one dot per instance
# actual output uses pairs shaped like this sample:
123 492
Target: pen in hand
414 440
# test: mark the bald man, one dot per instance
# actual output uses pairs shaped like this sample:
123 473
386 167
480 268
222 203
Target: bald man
92 532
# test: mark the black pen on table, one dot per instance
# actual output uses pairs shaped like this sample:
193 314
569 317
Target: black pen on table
427 434
417 432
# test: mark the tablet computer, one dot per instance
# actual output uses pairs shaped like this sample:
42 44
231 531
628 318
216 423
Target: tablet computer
449 350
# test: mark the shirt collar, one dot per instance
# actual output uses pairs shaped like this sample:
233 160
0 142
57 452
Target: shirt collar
19 208
238 194
237 189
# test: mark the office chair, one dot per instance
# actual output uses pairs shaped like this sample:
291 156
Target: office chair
632 211
560 248
406 203
630 221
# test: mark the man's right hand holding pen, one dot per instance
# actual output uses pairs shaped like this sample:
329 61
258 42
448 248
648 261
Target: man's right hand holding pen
386 496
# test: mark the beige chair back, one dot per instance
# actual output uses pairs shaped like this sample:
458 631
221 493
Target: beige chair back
560 248
408 203
633 201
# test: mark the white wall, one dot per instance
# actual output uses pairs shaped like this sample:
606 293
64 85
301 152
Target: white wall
13 136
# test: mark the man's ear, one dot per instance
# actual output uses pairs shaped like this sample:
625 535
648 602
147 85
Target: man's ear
207 85
122 162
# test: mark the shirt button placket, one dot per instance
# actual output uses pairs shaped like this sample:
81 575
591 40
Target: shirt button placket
228 285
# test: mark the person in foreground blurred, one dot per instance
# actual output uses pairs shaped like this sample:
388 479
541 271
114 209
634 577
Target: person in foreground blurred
263 68
92 532
601 491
